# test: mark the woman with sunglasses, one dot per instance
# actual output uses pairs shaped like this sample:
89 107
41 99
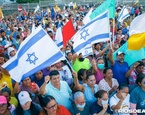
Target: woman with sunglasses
51 107
4 106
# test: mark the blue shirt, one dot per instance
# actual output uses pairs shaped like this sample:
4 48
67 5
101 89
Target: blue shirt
119 71
62 96
89 95
138 97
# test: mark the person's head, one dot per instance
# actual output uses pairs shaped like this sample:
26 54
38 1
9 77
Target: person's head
79 100
82 74
3 33
102 97
123 89
11 52
55 78
141 80
97 46
100 63
50 105
140 67
108 73
80 57
24 100
91 80
120 56
26 82
69 55
3 105
39 75
7 93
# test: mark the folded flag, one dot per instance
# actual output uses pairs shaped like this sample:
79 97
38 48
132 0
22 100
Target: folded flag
58 37
35 53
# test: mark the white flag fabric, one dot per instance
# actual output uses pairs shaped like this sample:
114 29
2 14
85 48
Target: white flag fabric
36 9
124 13
87 17
59 38
35 53
97 30
33 27
87 51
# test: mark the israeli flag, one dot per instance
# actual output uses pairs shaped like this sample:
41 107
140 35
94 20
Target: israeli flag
58 37
98 30
87 51
35 53
124 13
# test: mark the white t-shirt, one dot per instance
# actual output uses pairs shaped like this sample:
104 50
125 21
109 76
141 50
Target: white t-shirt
125 104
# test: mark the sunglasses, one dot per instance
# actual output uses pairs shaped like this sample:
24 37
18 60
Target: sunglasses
52 107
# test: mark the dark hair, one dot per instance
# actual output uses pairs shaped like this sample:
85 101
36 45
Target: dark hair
46 100
81 73
6 89
106 69
140 64
122 86
140 77
96 44
53 73
33 109
99 58
100 93
88 75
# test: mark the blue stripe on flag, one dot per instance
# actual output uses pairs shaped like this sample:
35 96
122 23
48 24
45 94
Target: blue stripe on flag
127 15
45 64
99 18
59 44
29 44
100 36
121 13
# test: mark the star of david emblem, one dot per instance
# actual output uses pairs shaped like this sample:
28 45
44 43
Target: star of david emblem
32 58
84 34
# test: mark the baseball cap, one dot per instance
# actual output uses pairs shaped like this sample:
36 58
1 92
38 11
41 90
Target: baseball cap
3 100
24 97
119 52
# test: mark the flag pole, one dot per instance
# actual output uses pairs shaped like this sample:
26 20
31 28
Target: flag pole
113 34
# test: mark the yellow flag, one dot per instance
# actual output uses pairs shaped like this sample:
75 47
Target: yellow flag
1 13
75 6
57 8
136 2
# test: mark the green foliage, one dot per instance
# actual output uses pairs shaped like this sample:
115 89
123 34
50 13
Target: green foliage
26 1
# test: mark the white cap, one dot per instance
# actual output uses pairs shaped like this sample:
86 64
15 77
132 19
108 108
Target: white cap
24 97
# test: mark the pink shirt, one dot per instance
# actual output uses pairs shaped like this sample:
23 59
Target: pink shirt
99 76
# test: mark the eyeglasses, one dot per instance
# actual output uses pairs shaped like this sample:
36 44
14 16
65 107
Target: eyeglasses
52 107
3 105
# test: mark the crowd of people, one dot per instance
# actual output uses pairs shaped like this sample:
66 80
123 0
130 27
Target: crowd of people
92 85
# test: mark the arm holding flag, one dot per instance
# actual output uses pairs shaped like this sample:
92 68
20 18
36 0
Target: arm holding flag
110 57
42 90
